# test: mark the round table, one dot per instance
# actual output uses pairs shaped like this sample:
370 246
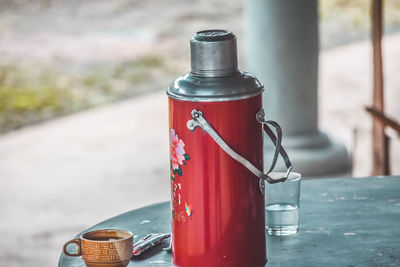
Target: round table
343 222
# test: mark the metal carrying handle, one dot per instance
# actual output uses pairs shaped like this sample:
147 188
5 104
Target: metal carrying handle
199 121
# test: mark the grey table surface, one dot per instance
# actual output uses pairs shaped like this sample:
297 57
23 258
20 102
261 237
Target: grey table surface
343 222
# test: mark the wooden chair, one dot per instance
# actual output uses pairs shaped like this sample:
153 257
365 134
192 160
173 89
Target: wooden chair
380 143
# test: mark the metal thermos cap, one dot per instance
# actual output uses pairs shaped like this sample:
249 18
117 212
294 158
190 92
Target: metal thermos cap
213 53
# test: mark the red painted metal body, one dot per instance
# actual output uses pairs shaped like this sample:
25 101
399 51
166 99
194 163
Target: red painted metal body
217 206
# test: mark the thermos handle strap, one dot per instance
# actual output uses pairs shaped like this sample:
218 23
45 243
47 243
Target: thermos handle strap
199 121
276 140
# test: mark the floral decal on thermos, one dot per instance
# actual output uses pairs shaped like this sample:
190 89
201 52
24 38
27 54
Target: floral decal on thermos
178 156
178 159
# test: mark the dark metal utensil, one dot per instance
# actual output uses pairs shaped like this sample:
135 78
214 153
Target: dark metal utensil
149 241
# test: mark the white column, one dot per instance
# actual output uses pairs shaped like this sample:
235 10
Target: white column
281 46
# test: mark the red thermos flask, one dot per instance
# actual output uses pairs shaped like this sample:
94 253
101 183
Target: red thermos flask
216 158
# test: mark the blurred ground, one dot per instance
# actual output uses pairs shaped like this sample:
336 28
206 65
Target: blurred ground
58 57
62 176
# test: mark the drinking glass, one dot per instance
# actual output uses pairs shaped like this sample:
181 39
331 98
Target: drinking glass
282 203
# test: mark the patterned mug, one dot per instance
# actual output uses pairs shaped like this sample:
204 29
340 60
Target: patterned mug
106 247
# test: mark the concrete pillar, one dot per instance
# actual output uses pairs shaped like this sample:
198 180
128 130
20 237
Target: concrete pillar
281 49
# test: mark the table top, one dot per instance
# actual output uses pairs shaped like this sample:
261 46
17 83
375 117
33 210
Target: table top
343 221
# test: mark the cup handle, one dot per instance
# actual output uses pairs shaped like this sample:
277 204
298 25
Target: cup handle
77 242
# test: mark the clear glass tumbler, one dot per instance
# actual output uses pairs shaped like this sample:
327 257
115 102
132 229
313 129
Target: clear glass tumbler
282 203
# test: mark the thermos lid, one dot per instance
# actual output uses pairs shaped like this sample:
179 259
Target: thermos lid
214 75
213 53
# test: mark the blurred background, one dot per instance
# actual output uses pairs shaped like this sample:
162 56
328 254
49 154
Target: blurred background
83 110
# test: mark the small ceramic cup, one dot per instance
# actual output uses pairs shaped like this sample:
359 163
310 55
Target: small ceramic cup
107 247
